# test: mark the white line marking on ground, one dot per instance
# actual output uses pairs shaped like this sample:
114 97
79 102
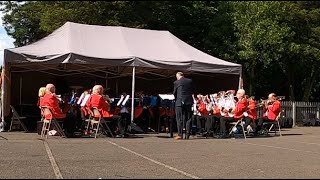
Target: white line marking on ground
279 147
156 162
52 161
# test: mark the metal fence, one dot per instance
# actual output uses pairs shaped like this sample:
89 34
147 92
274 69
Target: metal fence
298 111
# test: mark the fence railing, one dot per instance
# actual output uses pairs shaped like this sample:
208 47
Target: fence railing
298 111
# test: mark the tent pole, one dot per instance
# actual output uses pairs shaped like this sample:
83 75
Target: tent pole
106 80
2 99
240 80
132 96
20 89
117 87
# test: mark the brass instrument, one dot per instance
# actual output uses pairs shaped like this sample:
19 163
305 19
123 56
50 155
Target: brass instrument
265 102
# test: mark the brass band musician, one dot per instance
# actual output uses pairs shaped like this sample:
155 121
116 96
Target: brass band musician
272 108
237 111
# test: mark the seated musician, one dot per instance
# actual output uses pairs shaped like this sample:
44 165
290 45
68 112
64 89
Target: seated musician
200 113
124 112
240 108
272 108
250 116
51 100
82 101
42 92
213 120
96 100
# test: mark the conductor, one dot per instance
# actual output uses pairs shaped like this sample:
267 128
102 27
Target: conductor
183 90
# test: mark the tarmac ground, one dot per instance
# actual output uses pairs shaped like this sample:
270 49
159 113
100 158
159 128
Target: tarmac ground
296 154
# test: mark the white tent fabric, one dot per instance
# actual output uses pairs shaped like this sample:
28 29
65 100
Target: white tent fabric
121 46
75 43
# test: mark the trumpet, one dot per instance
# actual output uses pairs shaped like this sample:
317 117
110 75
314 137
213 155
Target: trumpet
263 102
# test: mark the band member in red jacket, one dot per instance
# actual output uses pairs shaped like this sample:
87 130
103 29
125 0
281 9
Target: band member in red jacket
98 101
272 109
250 116
241 107
42 92
51 100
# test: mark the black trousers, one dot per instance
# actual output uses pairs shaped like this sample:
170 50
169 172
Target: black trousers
261 121
248 121
223 123
212 123
201 122
123 122
69 124
183 117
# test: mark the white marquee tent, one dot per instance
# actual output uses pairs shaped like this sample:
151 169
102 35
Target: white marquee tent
78 48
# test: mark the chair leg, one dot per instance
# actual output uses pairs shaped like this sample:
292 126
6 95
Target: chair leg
279 128
97 129
49 124
11 124
244 133
23 125
88 125
109 130
59 129
233 127
271 127
42 130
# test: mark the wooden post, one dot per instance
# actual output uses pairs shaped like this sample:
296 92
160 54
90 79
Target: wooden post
294 108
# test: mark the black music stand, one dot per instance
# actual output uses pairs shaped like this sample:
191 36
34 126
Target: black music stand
169 97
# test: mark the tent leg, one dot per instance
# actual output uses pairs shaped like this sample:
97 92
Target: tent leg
117 87
106 80
240 80
133 85
20 90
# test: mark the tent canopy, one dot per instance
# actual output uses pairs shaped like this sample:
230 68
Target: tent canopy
111 51
118 46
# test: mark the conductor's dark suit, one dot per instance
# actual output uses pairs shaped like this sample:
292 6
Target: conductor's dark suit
183 90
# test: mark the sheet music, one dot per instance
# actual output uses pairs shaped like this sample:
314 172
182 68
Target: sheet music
125 100
85 99
167 96
121 99
80 99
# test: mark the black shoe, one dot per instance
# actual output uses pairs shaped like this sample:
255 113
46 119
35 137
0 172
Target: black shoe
222 136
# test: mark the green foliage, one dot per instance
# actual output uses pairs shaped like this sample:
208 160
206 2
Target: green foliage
277 42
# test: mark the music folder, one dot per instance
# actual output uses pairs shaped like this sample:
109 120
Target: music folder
166 96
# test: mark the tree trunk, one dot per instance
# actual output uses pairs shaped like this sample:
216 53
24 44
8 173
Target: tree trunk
252 79
309 85
290 77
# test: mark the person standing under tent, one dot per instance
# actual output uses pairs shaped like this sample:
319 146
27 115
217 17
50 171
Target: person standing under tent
183 90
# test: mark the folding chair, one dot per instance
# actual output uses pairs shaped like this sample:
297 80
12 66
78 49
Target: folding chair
48 116
235 124
17 120
276 122
86 118
98 120
46 122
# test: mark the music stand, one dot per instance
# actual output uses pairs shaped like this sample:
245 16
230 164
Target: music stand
171 98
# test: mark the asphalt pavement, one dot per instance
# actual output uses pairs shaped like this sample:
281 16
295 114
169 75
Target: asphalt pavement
294 155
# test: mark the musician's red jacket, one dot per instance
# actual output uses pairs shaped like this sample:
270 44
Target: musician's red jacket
252 111
216 111
52 102
99 102
241 107
41 102
273 110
